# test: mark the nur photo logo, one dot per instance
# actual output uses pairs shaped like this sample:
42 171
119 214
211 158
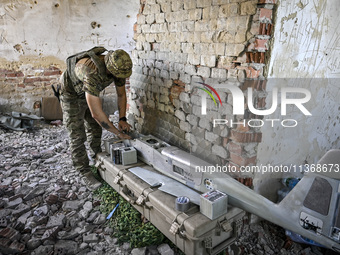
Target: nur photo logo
204 99
287 95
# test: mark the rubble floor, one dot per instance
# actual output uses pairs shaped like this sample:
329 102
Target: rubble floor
45 208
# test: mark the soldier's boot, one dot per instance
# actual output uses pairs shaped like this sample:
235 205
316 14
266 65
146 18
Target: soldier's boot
90 181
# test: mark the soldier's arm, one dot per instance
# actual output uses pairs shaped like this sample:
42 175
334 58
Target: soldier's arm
97 113
121 93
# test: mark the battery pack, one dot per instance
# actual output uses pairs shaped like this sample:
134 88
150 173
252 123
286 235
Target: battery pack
213 204
122 155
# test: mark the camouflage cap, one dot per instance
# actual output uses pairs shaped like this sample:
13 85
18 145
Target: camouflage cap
119 63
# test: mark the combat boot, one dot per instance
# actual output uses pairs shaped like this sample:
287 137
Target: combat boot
90 181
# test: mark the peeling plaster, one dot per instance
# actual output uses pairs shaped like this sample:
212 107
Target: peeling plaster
32 61
60 29
306 46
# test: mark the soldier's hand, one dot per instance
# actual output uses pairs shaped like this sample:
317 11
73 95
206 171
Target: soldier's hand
124 126
123 136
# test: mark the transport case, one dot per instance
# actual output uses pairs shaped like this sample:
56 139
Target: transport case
190 231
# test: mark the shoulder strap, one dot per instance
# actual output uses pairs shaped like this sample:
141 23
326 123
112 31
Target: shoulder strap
93 54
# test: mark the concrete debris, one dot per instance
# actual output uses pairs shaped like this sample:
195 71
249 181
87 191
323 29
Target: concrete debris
164 249
45 209
138 251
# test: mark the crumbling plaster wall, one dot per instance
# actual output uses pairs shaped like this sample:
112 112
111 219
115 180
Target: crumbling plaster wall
306 48
36 37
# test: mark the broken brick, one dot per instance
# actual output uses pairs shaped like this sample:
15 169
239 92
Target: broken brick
31 79
235 148
15 197
266 15
259 85
52 199
252 73
265 29
176 90
245 181
261 44
255 57
266 1
3 222
50 233
242 160
10 234
17 247
4 245
242 137
52 72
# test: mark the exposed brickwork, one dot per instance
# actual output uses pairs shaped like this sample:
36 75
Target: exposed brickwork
179 45
22 88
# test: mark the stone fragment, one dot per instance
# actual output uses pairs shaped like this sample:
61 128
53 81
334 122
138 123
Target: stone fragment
20 210
88 206
3 222
34 193
56 221
100 219
25 238
108 231
14 203
43 250
42 220
4 245
50 233
54 208
83 246
71 195
93 216
90 238
49 242
138 251
63 235
41 211
68 247
51 160
18 226
164 249
152 250
126 246
16 247
84 214
31 223
72 205
52 199
5 212
15 197
33 243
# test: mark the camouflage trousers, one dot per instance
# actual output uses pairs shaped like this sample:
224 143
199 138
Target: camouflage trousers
81 128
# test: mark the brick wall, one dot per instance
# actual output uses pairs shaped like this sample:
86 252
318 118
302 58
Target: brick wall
180 43
21 89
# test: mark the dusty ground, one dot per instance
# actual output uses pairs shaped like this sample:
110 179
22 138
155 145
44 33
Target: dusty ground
46 209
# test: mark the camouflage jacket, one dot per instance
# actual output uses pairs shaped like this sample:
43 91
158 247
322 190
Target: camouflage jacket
89 75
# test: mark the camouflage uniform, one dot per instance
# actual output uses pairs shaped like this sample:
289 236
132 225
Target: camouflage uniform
76 114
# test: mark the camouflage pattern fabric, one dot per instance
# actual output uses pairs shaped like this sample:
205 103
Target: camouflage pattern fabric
80 125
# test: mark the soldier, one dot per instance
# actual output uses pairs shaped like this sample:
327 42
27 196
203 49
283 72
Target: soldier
87 74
